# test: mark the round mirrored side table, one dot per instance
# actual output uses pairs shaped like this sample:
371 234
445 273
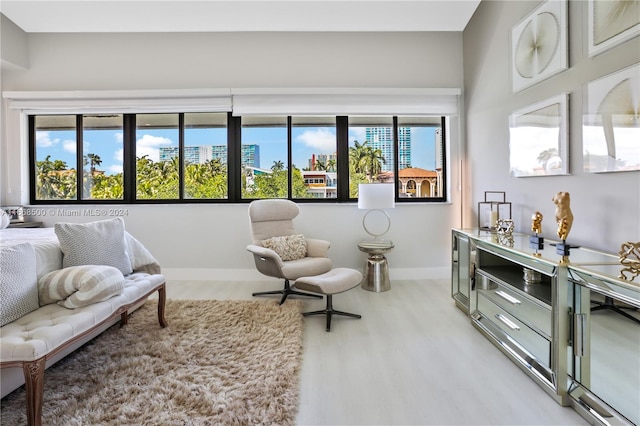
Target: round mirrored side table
376 270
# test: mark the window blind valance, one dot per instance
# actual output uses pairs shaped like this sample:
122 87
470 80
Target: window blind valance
430 102
124 101
244 102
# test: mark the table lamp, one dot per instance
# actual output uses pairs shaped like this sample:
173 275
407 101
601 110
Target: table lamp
375 197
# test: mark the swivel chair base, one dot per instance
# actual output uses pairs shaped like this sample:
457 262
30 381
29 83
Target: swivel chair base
285 292
329 311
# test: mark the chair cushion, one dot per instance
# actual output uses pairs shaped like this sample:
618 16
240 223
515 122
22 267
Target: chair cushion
306 267
78 286
288 247
18 282
94 243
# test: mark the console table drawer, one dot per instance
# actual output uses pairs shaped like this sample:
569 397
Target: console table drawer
531 313
537 345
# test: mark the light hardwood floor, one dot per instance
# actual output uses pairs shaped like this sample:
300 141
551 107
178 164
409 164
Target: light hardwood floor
413 359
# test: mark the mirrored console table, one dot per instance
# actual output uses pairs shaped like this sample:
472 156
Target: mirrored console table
542 310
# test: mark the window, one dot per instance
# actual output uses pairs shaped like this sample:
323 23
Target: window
421 158
315 158
205 156
157 157
102 157
55 163
214 157
371 151
265 157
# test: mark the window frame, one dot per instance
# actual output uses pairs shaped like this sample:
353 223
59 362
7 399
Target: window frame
234 166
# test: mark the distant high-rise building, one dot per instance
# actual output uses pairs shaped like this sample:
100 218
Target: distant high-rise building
404 148
168 153
219 152
197 154
382 138
250 154
200 154
439 152
192 154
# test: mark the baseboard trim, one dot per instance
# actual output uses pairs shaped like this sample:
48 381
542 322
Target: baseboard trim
207 274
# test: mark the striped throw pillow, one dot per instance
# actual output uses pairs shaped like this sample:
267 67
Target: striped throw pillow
78 286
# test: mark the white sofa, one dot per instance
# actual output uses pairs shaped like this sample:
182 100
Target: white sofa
38 339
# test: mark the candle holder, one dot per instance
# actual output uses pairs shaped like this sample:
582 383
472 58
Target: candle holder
493 208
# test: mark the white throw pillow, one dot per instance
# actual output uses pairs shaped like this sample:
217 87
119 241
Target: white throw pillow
288 247
94 243
78 286
18 282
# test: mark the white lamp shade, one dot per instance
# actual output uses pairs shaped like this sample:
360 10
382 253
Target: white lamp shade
376 196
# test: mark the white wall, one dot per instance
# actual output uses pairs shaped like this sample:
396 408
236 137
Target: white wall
199 237
606 206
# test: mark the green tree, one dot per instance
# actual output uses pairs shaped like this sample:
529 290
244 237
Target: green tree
108 187
372 163
208 180
156 180
366 160
89 179
54 181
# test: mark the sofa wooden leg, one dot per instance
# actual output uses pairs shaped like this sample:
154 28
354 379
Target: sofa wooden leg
162 299
34 385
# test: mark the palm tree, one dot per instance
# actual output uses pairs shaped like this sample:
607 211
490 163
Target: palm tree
277 166
356 153
93 160
366 160
373 161
331 165
319 165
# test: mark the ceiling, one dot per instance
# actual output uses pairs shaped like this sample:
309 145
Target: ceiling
46 16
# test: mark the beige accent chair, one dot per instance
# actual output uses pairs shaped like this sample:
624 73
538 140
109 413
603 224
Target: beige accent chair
274 218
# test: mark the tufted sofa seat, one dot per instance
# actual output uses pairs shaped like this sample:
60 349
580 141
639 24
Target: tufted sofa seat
32 341
51 326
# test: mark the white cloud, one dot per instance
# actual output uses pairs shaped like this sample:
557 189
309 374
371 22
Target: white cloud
148 145
115 168
322 140
69 146
119 137
151 141
44 141
119 155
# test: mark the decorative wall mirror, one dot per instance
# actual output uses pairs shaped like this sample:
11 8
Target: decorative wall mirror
538 139
611 122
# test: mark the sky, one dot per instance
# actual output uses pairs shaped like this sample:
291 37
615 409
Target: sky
306 141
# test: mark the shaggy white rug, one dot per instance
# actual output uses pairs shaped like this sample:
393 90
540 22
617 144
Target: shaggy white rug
217 363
